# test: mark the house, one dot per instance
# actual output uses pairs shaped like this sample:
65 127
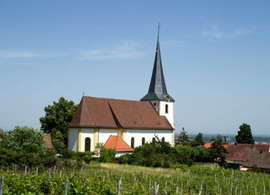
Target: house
247 156
125 123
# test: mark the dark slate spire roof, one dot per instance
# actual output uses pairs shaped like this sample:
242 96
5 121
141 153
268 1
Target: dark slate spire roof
157 89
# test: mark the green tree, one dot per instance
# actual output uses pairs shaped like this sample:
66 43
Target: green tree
56 120
183 138
25 139
217 152
2 134
244 135
25 146
198 140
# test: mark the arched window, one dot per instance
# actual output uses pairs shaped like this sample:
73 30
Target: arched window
166 108
143 141
132 142
87 144
153 140
163 139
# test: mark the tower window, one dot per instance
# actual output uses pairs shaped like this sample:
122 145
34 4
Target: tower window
166 108
87 145
132 142
143 141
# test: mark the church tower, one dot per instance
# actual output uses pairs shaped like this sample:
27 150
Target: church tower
157 92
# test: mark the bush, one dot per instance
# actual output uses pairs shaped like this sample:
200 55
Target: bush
157 154
107 155
84 156
124 159
160 154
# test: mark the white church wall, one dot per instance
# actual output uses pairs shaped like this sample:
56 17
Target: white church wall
104 134
72 139
84 133
170 114
148 135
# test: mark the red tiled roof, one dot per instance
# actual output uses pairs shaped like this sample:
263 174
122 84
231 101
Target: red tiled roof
113 113
47 141
209 145
118 144
241 152
249 155
259 160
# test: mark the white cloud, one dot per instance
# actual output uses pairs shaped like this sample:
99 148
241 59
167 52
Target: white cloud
214 32
18 54
125 50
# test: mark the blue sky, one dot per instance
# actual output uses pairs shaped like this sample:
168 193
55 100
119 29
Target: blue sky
215 57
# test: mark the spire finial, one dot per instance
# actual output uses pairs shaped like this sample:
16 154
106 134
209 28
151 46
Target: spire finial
158 31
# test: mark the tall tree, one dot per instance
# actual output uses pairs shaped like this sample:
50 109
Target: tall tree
198 140
56 120
244 135
183 138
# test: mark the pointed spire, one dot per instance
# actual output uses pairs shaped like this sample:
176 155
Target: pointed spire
158 32
157 89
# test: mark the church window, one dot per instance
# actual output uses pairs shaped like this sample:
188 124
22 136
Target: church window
153 140
132 142
166 108
163 139
143 141
154 104
87 146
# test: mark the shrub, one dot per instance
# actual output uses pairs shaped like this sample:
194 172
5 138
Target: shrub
107 155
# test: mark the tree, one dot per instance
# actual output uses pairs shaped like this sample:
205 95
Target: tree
198 140
183 138
2 134
25 139
244 135
56 120
25 146
217 152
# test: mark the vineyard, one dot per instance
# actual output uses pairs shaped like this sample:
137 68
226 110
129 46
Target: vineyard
126 179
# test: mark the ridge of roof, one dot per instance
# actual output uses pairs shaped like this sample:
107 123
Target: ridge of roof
110 99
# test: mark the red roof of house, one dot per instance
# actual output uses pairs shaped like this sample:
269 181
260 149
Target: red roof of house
112 113
259 160
118 144
249 155
242 152
209 145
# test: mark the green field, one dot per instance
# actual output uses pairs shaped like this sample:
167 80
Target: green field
108 178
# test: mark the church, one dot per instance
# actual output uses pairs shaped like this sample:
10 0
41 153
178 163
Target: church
123 125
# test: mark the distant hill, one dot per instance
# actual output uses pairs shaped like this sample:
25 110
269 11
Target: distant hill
259 139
